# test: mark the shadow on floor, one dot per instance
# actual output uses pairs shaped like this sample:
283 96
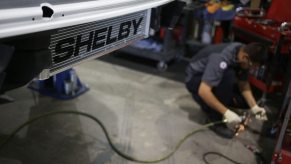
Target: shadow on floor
58 138
174 72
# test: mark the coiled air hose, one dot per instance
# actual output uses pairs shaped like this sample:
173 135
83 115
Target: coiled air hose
114 148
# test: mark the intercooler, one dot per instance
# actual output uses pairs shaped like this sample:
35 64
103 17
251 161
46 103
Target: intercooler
71 45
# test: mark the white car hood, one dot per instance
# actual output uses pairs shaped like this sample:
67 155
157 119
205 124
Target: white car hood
27 16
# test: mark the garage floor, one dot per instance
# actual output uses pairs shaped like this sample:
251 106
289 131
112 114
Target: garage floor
146 113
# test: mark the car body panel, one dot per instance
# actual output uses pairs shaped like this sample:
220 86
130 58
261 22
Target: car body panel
19 21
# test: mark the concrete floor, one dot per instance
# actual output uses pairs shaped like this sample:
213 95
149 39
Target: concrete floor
146 113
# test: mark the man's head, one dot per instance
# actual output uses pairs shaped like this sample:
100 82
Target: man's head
252 55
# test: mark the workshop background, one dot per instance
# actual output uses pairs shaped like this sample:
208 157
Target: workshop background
138 93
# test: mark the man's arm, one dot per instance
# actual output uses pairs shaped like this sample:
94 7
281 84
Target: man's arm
205 92
248 95
246 91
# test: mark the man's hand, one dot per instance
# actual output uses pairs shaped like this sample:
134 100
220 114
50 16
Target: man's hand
231 118
259 112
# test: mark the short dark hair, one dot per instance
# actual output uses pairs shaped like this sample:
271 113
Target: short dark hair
257 52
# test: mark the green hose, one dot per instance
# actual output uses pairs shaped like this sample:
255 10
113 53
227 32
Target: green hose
120 153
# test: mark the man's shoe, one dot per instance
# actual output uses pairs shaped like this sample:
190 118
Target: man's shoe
223 131
4 99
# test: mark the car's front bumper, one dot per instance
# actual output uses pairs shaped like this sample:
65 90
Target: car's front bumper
26 20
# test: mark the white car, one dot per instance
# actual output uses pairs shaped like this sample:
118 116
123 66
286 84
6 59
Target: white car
41 38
